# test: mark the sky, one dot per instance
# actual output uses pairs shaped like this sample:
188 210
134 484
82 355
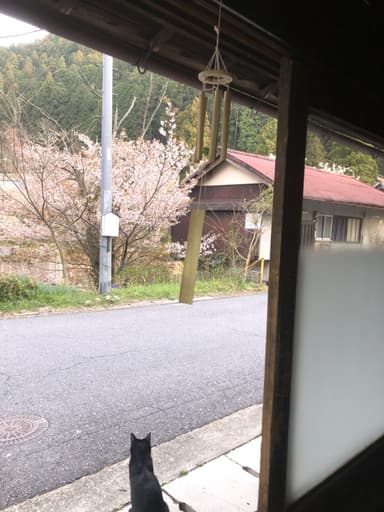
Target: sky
21 32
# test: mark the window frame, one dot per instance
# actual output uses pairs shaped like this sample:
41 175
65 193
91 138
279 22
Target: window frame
323 238
252 221
346 232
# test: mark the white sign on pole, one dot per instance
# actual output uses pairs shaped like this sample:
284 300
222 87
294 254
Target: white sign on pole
110 225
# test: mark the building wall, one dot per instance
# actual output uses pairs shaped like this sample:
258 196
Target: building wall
373 232
372 226
228 174
218 222
226 195
265 237
220 198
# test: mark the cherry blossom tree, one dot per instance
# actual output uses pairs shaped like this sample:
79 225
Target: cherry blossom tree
56 189
31 180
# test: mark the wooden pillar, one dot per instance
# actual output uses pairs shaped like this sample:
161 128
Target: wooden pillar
286 224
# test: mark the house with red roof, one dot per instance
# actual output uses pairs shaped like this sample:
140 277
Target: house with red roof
338 210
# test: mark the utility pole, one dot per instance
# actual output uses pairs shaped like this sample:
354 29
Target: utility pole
105 258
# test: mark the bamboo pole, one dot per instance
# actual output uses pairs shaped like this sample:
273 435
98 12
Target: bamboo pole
225 124
200 127
215 124
188 280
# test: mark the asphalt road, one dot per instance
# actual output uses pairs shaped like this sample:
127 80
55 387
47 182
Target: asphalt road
98 376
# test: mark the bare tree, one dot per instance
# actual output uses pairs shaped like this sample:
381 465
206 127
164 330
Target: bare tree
147 122
240 243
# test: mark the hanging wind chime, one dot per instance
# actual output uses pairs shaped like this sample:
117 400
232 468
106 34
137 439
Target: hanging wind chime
215 81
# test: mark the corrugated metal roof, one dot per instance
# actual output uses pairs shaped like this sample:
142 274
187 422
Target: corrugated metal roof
319 185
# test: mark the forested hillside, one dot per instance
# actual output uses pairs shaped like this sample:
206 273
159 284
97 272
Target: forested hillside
62 80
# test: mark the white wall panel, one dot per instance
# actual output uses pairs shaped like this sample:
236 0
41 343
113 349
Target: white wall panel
337 406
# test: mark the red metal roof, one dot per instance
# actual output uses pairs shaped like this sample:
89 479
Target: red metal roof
319 185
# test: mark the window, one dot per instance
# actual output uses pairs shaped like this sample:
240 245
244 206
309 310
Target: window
323 227
338 228
252 221
307 234
354 230
346 229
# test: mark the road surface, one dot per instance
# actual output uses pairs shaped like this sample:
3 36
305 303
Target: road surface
97 376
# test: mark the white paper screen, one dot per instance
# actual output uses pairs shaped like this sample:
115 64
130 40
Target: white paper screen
337 405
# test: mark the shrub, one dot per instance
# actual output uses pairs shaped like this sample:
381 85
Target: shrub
17 287
213 264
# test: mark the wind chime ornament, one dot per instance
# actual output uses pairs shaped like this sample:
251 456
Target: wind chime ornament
215 79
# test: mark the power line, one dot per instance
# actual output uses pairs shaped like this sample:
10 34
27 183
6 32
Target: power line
23 34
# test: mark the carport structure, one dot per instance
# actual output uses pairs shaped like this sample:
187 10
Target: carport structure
316 64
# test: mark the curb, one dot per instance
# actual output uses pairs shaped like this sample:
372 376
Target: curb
127 305
108 490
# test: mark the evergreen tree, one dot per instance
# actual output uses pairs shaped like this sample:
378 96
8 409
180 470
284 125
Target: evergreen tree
355 163
266 138
28 67
186 125
315 153
251 123
61 63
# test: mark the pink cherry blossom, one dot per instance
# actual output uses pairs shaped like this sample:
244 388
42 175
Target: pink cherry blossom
51 191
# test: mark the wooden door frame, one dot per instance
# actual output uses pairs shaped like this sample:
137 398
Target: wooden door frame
285 243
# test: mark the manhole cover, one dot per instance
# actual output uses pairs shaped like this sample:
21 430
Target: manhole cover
15 429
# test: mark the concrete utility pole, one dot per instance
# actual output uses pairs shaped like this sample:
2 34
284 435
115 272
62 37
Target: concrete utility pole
105 261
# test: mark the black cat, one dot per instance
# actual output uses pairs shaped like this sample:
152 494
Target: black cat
146 495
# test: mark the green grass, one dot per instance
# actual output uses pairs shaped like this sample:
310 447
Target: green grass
51 297
58 298
224 285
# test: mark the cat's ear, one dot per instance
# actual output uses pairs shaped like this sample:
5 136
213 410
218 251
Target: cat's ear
133 437
148 438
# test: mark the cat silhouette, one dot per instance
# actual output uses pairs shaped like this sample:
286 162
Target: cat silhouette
146 494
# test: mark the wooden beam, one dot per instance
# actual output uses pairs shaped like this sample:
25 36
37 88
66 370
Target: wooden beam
286 225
